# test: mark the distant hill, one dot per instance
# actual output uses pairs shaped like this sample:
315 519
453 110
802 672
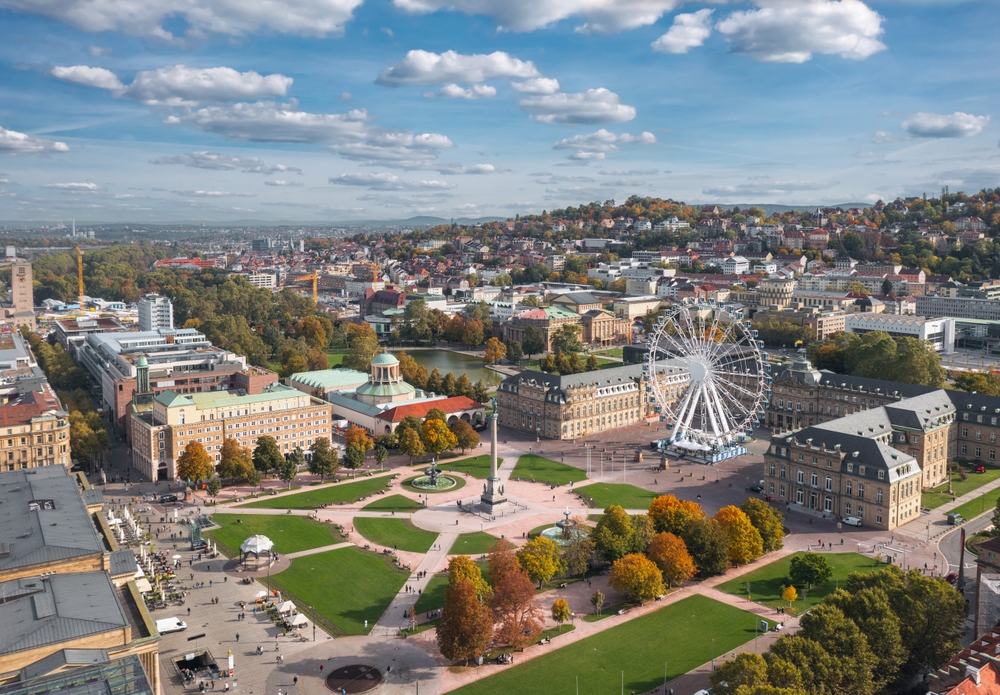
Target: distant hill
771 209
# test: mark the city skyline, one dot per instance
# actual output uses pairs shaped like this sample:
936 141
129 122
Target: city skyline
338 110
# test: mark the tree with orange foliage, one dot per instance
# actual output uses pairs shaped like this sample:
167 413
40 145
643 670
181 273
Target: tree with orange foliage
671 515
671 555
745 542
466 626
517 615
356 436
636 576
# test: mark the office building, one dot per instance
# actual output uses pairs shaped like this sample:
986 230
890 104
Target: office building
20 310
156 312
958 307
938 332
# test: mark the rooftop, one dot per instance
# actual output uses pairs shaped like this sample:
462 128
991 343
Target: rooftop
93 674
420 410
330 379
225 399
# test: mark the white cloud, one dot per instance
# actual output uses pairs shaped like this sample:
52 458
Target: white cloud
344 96
180 85
478 91
593 106
98 51
942 125
630 172
882 136
687 32
769 188
596 145
602 16
146 17
214 194
399 147
279 182
220 162
13 142
424 67
475 169
73 186
791 31
388 182
537 85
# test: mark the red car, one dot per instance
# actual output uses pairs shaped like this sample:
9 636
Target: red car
980 469
951 578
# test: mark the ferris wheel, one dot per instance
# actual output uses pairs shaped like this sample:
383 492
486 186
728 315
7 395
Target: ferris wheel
707 376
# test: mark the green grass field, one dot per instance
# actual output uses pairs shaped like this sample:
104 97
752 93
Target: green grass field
602 495
290 534
335 359
365 585
938 496
473 544
766 583
602 363
345 492
400 534
459 480
433 597
543 470
679 636
393 503
613 352
978 505
477 466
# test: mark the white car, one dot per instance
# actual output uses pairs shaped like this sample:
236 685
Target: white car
852 521
168 625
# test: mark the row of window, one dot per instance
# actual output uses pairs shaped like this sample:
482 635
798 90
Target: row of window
979 435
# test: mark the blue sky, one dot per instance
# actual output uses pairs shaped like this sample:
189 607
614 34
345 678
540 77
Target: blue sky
323 110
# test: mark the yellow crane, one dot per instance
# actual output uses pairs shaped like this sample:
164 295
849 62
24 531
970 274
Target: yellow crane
79 273
315 280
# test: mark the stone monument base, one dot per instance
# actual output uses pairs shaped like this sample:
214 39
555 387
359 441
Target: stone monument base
489 503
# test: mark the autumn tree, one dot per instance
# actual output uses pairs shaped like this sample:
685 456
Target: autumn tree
436 437
495 351
323 460
636 576
672 557
266 455
747 670
790 594
768 521
412 373
597 601
462 567
671 515
463 386
578 548
561 612
363 346
357 436
709 546
745 544
235 461
448 385
411 444
465 436
613 534
473 334
466 625
517 616
194 463
540 559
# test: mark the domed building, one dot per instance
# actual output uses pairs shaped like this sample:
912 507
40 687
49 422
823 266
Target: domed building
385 385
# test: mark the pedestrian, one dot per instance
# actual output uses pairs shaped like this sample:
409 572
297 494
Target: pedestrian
225 579
321 668
295 680
189 610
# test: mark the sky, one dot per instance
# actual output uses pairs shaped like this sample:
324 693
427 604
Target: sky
160 111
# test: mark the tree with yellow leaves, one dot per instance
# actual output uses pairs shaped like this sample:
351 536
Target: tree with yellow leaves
561 612
194 463
745 542
436 436
636 576
357 436
790 594
463 568
495 351
671 555
671 515
541 559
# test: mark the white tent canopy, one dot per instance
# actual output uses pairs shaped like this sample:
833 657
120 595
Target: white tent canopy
286 607
260 594
257 545
298 620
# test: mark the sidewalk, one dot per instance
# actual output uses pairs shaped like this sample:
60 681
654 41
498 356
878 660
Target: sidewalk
937 519
394 618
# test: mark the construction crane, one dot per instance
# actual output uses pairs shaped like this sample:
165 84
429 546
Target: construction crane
315 280
79 273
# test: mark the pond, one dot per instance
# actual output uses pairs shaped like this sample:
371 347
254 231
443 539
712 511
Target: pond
456 363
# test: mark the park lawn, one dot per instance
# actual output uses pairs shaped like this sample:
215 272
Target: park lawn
335 359
613 352
432 598
602 363
976 506
603 495
543 470
334 494
477 543
767 582
399 534
290 534
679 635
938 496
477 466
393 503
365 585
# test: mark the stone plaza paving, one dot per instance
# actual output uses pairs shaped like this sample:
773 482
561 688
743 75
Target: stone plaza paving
416 658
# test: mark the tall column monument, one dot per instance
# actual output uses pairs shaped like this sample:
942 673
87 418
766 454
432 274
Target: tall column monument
493 497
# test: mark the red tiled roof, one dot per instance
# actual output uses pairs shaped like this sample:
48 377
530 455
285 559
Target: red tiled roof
29 405
448 405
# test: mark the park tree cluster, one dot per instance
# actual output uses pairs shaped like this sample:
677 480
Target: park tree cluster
416 375
432 435
878 355
420 325
878 634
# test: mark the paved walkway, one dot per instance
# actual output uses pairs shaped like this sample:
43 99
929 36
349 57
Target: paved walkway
314 551
395 615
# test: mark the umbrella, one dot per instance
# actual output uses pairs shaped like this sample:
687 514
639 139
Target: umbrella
298 620
260 594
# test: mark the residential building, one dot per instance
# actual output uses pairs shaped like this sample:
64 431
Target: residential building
162 425
958 307
735 265
574 405
34 431
548 319
267 281
155 312
631 308
975 670
939 332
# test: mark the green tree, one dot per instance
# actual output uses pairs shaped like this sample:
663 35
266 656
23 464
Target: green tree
809 570
534 341
597 601
214 486
871 611
289 468
434 382
592 364
354 457
480 393
708 544
768 521
381 454
194 463
514 352
448 384
746 670
254 478
613 535
416 322
567 339
323 460
266 455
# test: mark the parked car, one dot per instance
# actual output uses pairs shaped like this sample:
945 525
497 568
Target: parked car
851 521
756 488
168 625
951 578
168 498
979 469
955 519
199 544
